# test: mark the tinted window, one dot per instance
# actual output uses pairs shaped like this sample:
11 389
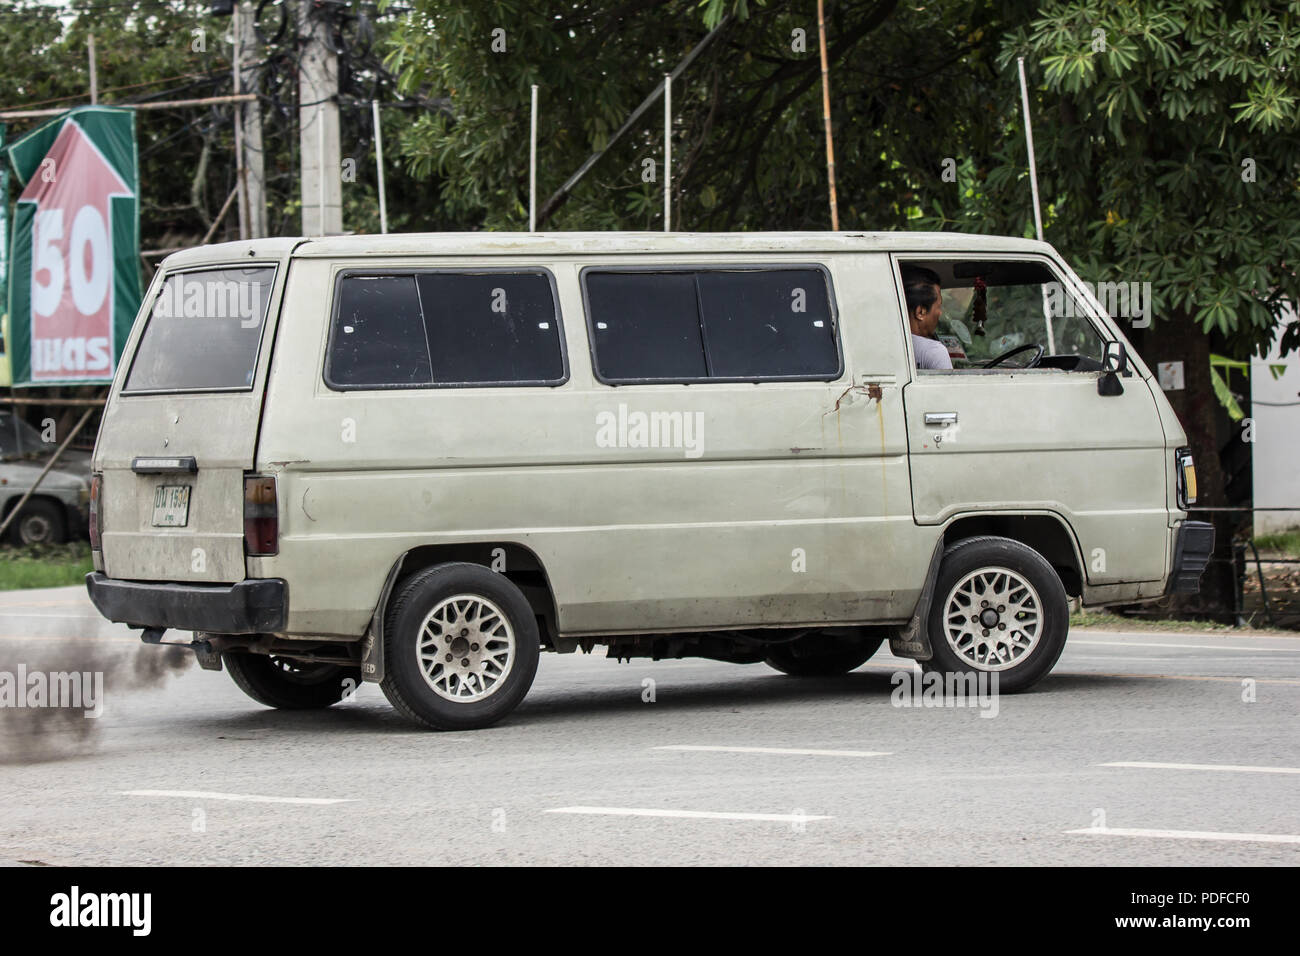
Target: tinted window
491 328
645 325
712 324
203 331
768 324
445 328
378 333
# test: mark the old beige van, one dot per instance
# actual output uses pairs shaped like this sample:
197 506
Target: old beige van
420 460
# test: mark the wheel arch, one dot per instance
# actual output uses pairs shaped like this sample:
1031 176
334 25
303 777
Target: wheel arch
517 562
1045 532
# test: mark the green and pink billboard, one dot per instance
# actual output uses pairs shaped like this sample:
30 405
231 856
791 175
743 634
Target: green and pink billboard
74 276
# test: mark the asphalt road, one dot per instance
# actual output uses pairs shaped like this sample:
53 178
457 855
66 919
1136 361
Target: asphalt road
182 768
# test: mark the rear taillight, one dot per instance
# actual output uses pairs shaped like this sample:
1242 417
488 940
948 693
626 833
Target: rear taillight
96 486
1185 477
261 517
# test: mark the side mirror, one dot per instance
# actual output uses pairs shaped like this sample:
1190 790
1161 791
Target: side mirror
1113 365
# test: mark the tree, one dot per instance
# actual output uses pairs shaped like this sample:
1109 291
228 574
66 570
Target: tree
748 133
1168 145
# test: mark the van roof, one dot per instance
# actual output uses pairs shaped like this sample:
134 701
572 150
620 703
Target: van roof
604 243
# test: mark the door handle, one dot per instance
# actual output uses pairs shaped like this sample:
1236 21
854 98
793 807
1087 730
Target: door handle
941 418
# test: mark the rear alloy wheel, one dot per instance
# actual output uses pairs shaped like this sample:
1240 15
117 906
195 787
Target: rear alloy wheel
999 607
291 685
40 522
824 654
460 647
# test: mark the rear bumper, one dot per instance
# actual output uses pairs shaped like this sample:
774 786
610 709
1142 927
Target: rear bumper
250 607
1192 549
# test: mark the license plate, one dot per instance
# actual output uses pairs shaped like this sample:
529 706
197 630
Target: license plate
171 506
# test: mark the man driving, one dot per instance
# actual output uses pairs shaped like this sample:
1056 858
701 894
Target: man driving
924 309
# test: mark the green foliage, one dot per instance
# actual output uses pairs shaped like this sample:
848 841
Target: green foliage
1169 151
749 138
1285 542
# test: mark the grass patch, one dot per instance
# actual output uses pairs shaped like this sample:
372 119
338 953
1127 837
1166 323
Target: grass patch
52 566
1285 542
1117 622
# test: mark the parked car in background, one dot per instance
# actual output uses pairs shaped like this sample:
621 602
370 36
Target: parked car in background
59 508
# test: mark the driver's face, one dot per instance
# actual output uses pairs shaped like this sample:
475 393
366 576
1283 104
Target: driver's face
925 321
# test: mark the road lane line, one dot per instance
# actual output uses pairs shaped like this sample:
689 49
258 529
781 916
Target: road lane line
690 814
242 797
1199 766
1229 680
778 750
1070 642
1190 835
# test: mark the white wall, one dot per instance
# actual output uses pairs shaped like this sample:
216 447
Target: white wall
1276 450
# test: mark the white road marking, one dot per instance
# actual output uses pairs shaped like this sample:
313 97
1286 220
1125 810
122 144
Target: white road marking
1202 647
690 814
779 750
1199 766
1190 835
243 797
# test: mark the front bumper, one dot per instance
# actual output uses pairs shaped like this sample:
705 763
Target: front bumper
1192 549
255 606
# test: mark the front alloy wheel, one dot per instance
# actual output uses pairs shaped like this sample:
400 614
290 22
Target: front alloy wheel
999 607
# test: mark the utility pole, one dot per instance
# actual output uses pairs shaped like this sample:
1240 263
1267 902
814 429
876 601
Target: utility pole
318 126
249 124
94 71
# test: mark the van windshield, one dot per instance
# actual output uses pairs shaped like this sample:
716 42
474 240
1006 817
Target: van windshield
203 331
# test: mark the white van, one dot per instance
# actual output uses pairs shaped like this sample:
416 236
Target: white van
419 460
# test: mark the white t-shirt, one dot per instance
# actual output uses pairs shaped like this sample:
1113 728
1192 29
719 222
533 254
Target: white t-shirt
930 354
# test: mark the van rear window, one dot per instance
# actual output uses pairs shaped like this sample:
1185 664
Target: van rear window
445 329
203 331
721 324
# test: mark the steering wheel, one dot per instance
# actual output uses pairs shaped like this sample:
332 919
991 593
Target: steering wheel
1032 363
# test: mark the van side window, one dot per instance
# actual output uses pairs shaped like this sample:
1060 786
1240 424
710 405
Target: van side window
431 329
492 327
1008 315
712 325
768 324
378 334
645 325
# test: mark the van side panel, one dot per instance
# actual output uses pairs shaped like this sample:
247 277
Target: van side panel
796 510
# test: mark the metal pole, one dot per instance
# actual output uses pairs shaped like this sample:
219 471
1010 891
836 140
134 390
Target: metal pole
157 105
532 166
94 74
238 117
1033 186
668 151
379 165
1029 140
17 509
826 115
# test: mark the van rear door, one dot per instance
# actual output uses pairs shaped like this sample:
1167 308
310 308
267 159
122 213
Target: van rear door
180 428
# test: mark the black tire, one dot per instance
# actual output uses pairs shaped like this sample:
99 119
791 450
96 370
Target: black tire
291 685
509 621
811 658
970 557
40 522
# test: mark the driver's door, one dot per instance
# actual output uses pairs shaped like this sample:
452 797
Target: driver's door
1017 439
